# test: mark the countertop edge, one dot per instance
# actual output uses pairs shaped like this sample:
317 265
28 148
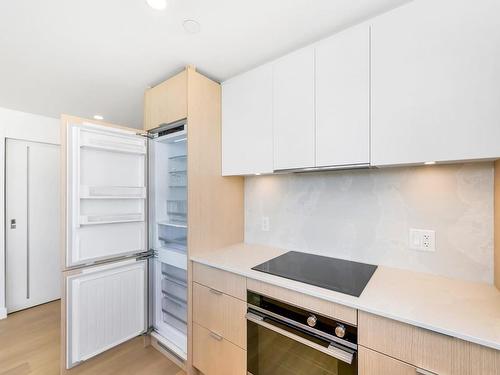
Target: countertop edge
456 334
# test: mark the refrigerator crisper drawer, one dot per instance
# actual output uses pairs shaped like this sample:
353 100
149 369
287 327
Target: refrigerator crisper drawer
175 308
174 289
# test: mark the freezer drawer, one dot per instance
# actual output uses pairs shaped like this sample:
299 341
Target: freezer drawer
105 306
174 290
174 307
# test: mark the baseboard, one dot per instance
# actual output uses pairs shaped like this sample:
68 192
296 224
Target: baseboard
3 312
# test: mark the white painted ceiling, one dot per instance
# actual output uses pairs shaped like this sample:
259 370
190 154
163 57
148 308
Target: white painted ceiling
86 57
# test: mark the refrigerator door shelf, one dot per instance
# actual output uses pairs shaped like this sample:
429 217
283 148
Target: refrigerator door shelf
106 191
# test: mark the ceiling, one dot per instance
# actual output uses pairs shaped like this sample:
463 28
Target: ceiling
86 57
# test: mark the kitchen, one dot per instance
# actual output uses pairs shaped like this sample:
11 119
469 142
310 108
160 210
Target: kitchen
331 209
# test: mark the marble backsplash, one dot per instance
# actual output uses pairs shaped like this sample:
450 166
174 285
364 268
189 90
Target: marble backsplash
366 215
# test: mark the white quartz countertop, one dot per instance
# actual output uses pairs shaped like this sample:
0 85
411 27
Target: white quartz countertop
466 310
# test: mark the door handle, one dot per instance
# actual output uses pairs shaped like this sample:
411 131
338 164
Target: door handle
13 224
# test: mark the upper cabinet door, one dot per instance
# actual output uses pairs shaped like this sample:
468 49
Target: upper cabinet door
343 98
293 110
106 193
247 133
166 102
436 82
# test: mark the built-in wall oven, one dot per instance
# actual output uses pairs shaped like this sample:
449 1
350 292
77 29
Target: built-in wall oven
287 340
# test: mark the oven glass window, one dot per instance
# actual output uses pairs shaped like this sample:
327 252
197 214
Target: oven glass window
270 353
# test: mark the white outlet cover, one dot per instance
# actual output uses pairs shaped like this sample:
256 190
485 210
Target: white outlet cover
422 240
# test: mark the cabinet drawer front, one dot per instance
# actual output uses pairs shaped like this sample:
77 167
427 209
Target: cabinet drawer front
220 313
420 347
373 363
425 349
213 355
222 281
329 309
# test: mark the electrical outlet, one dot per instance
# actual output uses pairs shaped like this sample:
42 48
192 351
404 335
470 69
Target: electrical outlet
422 240
265 224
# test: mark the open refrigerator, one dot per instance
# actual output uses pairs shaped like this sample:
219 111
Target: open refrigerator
125 266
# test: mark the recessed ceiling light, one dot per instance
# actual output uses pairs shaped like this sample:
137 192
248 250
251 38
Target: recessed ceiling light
191 26
98 117
157 4
430 163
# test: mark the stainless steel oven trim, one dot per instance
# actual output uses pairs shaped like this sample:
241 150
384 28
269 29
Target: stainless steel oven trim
332 351
304 327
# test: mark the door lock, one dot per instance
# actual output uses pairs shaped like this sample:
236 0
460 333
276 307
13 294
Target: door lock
13 224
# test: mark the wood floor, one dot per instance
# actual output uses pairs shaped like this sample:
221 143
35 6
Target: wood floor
30 344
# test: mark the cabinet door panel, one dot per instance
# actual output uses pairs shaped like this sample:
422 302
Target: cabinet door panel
213 355
435 82
373 363
343 98
220 313
167 102
105 306
247 134
293 110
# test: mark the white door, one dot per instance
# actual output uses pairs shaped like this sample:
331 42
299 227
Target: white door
32 224
293 110
343 98
106 194
247 123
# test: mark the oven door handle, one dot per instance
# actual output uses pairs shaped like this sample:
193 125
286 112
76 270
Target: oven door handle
332 351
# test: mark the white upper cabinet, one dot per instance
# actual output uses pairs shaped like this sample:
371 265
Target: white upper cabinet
436 82
293 110
343 98
247 123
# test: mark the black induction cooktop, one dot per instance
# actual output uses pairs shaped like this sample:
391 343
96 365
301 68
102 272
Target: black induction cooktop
340 275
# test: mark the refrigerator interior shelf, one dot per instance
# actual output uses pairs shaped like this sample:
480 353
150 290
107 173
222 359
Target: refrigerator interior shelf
173 224
174 257
177 157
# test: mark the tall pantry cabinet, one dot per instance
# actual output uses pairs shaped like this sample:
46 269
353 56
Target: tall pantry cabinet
126 245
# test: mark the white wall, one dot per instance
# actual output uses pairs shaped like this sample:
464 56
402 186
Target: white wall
19 125
366 216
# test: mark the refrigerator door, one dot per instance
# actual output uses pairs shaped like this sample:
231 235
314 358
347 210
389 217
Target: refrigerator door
106 194
105 306
168 237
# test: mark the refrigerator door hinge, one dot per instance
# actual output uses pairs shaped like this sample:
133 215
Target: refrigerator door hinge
147 135
150 254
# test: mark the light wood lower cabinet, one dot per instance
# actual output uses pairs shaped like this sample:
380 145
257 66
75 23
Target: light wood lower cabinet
220 313
213 355
225 282
373 363
425 349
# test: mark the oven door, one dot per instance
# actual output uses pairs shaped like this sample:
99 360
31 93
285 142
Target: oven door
275 348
